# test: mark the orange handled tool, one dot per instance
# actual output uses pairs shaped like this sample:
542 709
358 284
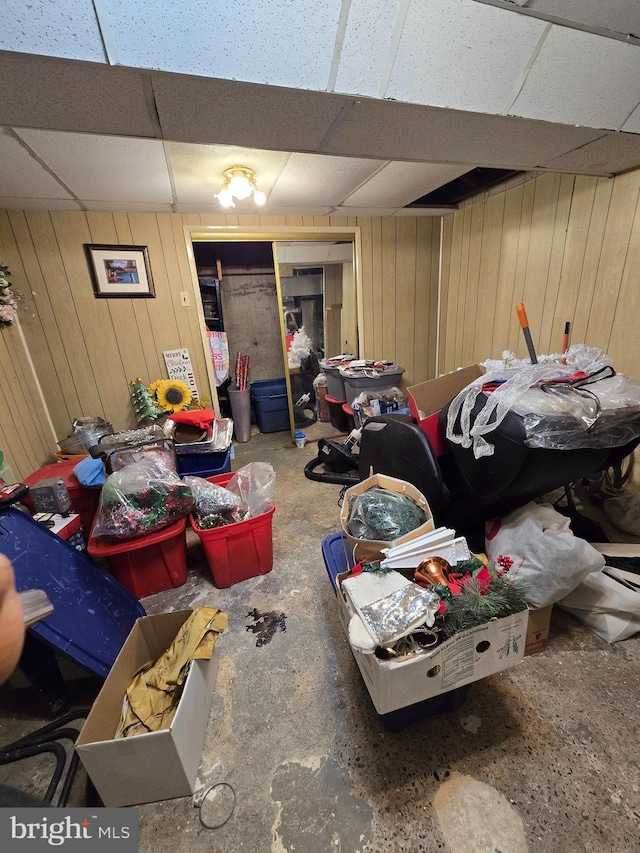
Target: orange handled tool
524 325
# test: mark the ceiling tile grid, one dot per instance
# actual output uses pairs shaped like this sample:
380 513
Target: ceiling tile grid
280 42
461 55
365 45
21 175
45 27
581 78
105 168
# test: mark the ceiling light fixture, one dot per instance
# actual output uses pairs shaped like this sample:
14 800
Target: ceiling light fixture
239 183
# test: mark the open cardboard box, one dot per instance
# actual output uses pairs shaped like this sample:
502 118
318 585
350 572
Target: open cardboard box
371 549
464 658
427 398
538 630
158 765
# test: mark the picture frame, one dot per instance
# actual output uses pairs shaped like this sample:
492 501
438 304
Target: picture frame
120 271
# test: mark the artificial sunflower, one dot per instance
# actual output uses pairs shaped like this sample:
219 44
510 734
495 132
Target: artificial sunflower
172 395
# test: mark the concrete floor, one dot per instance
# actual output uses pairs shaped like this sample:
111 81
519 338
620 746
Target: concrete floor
542 758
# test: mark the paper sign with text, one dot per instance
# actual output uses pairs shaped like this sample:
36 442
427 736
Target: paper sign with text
179 367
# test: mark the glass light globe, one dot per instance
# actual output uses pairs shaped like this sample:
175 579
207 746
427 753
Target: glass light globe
225 198
240 187
259 198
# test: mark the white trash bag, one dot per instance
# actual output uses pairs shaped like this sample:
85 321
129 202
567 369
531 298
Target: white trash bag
545 553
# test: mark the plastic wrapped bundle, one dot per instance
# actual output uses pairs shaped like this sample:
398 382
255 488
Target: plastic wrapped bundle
142 497
383 515
211 499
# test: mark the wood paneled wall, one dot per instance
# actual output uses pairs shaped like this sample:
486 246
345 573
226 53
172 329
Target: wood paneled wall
567 246
86 350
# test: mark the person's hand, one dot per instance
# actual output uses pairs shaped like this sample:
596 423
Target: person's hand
11 621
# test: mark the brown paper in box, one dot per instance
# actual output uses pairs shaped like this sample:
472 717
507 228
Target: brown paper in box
371 549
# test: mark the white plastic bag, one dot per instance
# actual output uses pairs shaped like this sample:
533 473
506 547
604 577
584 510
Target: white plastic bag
606 605
545 553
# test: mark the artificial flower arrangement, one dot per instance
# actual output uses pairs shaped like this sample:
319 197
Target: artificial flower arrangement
8 304
470 593
162 397
170 395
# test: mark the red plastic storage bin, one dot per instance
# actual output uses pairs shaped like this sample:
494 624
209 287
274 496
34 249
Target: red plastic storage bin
84 501
148 564
238 551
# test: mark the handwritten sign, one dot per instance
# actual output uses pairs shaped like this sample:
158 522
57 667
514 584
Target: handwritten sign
179 367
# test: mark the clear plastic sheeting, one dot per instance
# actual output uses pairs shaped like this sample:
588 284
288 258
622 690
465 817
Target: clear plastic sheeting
513 378
604 413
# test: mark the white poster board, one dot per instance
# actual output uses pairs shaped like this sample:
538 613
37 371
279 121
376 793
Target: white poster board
179 367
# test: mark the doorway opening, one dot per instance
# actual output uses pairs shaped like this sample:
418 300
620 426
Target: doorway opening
270 287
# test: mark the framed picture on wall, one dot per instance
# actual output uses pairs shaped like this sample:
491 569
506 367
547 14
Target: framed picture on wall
120 271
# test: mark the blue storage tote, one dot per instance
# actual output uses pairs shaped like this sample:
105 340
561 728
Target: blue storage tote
269 398
204 464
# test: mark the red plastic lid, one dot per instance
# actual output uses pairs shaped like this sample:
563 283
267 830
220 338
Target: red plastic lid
99 547
333 400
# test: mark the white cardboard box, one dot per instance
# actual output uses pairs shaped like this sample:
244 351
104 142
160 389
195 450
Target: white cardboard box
158 765
466 657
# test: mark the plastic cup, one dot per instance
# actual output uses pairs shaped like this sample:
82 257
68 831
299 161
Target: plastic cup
300 438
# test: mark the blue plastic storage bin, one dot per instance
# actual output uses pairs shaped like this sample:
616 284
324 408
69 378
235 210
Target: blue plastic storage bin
92 613
205 464
337 559
269 398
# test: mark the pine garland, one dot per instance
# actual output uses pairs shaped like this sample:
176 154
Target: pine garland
479 603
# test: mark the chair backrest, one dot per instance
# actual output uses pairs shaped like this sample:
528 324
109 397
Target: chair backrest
396 446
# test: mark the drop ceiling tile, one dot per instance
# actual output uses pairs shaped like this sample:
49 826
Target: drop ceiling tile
293 210
409 132
465 56
128 206
614 152
401 183
228 112
281 42
106 168
198 169
343 210
322 180
576 79
53 29
22 176
623 16
57 94
365 45
425 211
39 204
632 124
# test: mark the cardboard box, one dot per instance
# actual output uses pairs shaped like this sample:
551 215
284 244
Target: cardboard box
427 398
538 630
466 657
372 548
159 765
